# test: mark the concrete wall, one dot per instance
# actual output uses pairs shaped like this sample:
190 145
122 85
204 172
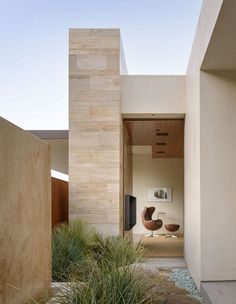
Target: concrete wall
218 175
151 172
25 214
153 94
95 128
192 213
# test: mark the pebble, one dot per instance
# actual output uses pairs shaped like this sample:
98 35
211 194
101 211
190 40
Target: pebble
183 279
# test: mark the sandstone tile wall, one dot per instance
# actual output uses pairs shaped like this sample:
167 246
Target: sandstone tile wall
95 127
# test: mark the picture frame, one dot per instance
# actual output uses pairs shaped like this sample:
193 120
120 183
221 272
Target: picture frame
159 194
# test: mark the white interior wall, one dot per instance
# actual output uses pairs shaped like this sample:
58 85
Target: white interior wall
151 172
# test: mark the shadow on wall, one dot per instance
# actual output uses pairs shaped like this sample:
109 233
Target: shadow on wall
60 198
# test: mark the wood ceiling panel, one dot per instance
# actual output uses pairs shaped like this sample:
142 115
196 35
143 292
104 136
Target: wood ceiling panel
166 136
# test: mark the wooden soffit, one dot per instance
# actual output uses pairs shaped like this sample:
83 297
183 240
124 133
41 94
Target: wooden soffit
165 136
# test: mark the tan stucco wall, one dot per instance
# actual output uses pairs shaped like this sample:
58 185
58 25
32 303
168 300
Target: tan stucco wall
153 94
152 172
221 51
59 154
95 128
192 194
218 175
25 214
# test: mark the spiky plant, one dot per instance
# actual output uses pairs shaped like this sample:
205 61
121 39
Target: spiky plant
116 251
70 246
106 284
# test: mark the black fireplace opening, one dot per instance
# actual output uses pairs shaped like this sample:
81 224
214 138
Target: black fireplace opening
130 212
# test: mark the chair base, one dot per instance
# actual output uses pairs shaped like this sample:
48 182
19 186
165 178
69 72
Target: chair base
153 235
171 236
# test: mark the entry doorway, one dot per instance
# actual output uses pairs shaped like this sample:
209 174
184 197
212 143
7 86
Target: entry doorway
154 174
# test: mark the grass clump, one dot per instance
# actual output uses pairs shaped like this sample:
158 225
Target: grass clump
71 246
116 251
98 268
75 244
106 284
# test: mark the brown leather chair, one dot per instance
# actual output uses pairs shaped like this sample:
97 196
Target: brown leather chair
148 222
172 228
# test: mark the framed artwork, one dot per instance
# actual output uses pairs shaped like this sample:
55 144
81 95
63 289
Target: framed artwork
159 194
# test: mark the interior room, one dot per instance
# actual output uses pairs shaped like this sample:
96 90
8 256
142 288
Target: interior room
156 149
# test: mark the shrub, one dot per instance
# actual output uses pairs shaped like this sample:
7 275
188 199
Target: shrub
71 246
116 251
97 268
109 285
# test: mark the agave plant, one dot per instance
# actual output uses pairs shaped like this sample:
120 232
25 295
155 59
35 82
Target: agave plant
70 247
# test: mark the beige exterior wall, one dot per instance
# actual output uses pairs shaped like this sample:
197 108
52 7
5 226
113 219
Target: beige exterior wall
25 214
95 128
218 175
95 89
153 94
193 230
221 51
152 172
123 65
59 154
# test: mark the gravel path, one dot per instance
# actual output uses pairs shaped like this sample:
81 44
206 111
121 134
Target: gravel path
182 279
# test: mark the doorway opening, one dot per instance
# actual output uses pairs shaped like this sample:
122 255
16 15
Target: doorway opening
154 175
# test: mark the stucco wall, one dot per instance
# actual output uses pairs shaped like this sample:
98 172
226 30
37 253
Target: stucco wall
25 214
221 51
152 94
151 172
59 154
218 175
192 208
192 194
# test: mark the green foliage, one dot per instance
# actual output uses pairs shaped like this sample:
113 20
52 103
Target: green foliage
97 268
109 285
70 246
116 251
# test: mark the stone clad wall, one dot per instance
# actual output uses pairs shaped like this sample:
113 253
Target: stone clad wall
94 130
25 215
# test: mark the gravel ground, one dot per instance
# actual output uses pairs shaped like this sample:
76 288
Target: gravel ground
182 279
